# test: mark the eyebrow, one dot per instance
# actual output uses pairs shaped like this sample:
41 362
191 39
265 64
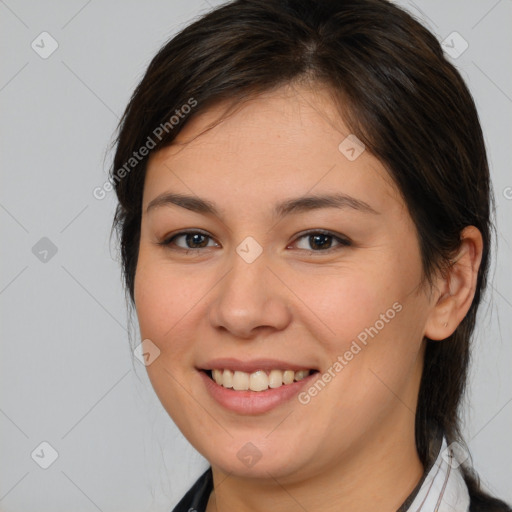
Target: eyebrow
290 206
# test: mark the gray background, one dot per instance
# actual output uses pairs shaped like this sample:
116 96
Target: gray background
67 373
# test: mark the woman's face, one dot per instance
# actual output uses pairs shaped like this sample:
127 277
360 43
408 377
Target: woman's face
278 279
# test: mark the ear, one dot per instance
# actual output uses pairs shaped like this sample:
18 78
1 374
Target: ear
455 291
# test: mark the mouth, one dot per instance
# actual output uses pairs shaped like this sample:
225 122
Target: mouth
254 387
259 380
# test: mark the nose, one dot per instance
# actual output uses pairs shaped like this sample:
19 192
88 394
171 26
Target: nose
250 299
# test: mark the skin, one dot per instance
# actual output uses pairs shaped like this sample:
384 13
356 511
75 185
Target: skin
352 446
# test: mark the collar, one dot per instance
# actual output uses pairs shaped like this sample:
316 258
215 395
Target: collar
443 488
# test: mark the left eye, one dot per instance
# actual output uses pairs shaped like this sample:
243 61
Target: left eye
318 241
323 240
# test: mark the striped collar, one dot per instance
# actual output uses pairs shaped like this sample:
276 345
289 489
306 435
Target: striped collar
443 489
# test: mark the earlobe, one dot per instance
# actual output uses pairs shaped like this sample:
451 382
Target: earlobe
457 288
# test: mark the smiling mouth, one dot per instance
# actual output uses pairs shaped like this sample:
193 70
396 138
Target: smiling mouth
259 380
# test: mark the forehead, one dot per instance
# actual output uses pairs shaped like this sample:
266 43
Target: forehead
286 142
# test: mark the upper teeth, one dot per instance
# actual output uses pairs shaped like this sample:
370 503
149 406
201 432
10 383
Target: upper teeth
257 381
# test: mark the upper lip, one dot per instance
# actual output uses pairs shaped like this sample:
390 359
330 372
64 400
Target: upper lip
229 363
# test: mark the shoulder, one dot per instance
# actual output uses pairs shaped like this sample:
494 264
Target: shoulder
484 503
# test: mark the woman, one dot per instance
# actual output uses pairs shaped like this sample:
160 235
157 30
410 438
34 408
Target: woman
304 219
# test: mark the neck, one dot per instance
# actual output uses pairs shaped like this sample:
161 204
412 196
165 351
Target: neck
378 476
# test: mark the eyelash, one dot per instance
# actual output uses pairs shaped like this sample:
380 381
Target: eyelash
342 241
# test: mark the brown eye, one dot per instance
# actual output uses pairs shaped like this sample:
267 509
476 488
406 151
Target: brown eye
318 241
190 240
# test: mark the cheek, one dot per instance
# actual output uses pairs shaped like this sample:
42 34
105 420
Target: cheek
370 329
163 304
163 300
348 302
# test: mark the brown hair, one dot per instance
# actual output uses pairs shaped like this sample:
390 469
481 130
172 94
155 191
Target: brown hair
395 91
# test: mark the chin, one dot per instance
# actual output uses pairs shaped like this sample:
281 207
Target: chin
256 459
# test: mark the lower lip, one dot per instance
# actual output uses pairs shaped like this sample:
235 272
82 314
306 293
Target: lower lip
253 402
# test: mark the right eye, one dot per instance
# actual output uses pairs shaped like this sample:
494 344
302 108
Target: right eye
193 240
